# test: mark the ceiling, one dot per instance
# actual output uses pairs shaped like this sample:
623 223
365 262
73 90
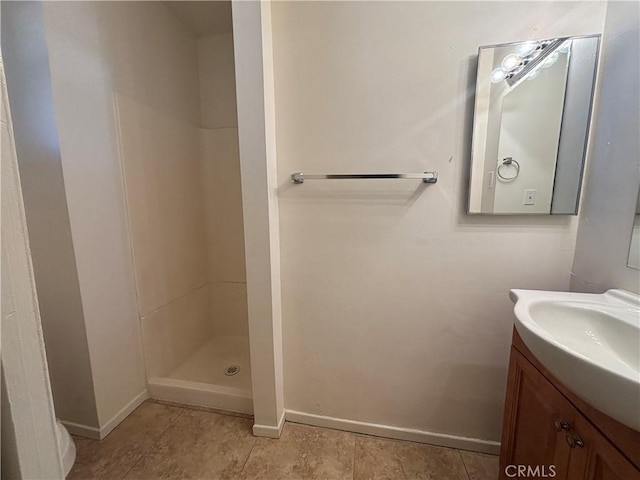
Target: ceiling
204 17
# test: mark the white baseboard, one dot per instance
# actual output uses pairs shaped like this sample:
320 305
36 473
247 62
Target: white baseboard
81 430
114 421
268 430
398 433
103 431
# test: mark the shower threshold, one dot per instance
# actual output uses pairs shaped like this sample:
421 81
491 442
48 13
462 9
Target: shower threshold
201 394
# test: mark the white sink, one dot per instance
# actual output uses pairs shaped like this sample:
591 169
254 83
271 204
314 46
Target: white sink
591 343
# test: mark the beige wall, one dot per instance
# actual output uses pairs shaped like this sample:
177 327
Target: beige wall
140 50
25 52
395 306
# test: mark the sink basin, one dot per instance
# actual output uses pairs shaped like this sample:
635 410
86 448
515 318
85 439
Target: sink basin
590 342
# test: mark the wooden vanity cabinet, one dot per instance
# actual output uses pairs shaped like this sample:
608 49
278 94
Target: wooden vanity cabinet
533 408
548 430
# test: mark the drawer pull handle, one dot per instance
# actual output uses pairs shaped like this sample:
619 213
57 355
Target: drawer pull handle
574 442
560 425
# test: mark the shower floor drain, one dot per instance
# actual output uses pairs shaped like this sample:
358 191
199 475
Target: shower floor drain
231 370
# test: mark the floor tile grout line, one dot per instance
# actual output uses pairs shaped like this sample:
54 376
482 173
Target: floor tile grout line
244 465
464 465
142 457
255 439
355 444
154 443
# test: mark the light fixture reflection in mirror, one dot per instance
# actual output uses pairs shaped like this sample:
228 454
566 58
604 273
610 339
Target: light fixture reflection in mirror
531 121
528 57
634 248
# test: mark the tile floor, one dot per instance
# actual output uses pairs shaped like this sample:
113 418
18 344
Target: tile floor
160 441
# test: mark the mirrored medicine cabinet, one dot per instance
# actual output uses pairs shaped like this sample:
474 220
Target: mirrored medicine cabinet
531 123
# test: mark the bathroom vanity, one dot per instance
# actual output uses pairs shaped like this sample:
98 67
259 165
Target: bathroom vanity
547 426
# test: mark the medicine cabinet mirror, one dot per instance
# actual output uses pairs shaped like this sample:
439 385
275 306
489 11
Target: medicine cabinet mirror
530 128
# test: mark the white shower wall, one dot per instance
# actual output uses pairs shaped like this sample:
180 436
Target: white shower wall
186 233
161 166
217 81
220 172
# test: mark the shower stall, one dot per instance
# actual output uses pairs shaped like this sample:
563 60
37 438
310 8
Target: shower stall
127 116
184 208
